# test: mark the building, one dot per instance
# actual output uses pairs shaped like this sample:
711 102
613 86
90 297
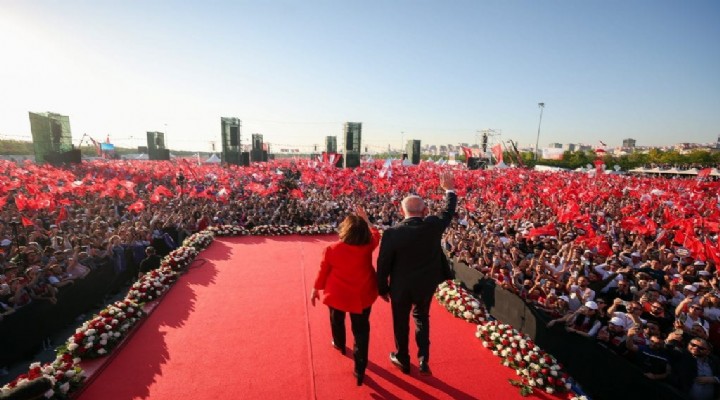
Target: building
555 145
628 143
568 147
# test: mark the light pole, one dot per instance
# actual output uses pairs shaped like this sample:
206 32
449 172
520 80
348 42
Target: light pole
402 143
537 141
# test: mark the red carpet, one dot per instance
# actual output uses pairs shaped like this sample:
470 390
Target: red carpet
240 327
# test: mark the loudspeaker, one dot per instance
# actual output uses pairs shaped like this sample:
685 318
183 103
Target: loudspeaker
231 157
155 140
353 136
159 155
257 142
68 157
245 159
257 156
352 160
56 131
413 151
331 144
474 163
234 136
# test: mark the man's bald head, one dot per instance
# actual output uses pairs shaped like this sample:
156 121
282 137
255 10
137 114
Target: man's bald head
413 206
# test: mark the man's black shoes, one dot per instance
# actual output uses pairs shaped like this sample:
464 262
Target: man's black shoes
425 369
359 376
403 367
341 349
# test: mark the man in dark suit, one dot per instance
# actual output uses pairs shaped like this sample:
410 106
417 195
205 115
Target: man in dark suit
410 265
697 371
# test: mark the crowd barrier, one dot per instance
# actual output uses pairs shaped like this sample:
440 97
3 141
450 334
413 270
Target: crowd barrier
22 332
601 373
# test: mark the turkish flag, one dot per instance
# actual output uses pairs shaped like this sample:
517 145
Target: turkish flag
136 206
26 221
704 172
62 216
497 152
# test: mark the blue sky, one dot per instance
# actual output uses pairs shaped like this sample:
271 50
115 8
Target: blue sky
295 71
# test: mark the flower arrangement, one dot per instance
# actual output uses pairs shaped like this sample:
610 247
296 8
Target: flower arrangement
228 230
199 240
535 367
152 285
315 230
64 373
460 302
179 258
272 230
103 332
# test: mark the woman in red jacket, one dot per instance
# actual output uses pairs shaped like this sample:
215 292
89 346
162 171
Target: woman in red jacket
348 280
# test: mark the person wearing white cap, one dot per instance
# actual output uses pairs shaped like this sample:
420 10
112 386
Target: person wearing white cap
634 261
614 335
585 321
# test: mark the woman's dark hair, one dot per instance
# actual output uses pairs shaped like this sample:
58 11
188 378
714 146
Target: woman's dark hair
354 230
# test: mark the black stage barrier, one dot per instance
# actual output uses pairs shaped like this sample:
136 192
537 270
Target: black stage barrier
601 373
22 332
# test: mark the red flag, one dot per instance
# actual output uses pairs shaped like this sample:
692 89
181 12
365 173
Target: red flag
26 221
467 151
20 202
497 152
297 193
598 166
704 172
136 206
62 216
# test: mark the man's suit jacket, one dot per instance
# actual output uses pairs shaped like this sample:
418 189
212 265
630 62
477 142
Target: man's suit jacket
411 257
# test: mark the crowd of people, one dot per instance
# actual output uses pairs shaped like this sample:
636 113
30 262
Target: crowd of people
628 261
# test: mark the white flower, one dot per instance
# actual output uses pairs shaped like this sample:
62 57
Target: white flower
49 394
89 345
103 342
550 390
540 381
69 373
48 370
90 332
116 334
102 351
495 352
76 360
91 338
65 387
35 365
468 315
